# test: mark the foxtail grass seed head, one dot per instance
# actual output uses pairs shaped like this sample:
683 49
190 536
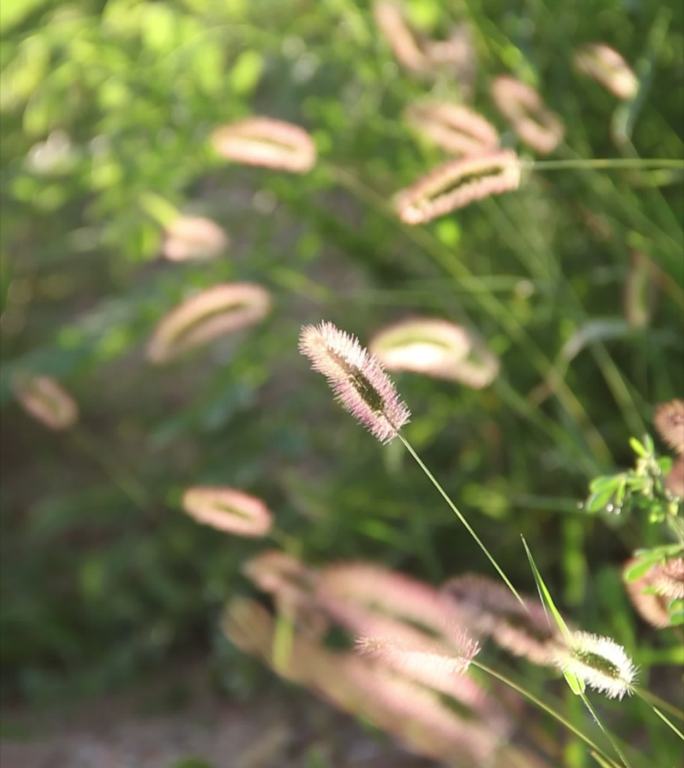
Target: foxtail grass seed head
453 127
424 661
607 67
292 586
228 510
489 608
399 36
356 377
536 125
188 238
668 578
456 56
652 608
436 348
669 421
248 625
456 184
46 401
674 480
599 662
639 291
266 142
415 715
207 315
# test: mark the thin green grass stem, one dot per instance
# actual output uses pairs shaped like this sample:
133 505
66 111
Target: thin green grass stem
668 722
603 163
605 731
461 517
539 703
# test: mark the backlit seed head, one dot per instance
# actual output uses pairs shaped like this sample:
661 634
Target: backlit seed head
489 608
674 481
668 578
356 377
607 67
193 237
436 348
44 399
536 125
266 142
424 660
228 510
599 662
206 316
456 184
453 127
669 421
401 39
653 591
292 586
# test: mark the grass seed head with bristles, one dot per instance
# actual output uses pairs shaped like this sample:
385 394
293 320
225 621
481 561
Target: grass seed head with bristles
669 421
416 715
46 401
228 510
401 39
456 184
193 237
489 608
652 593
457 56
292 586
674 480
668 578
536 125
267 142
605 65
424 661
436 348
423 345
599 662
453 127
392 594
206 316
356 377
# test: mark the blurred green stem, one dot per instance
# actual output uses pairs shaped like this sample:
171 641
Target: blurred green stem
461 517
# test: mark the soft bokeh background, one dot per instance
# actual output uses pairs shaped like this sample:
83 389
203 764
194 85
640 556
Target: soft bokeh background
107 109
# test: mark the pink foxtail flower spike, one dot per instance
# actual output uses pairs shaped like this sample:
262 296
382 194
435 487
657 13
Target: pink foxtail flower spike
357 378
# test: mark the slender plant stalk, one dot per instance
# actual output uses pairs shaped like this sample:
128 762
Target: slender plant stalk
668 722
603 163
652 699
461 517
606 732
539 703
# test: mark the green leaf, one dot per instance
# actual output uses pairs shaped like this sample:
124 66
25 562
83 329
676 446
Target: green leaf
576 685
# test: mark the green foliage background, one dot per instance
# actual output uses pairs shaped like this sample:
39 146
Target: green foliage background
104 580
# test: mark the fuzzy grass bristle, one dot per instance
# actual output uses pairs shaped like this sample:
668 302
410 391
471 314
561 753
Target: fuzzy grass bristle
228 510
356 377
599 662
209 314
456 184
265 141
607 67
669 421
43 398
189 238
536 125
